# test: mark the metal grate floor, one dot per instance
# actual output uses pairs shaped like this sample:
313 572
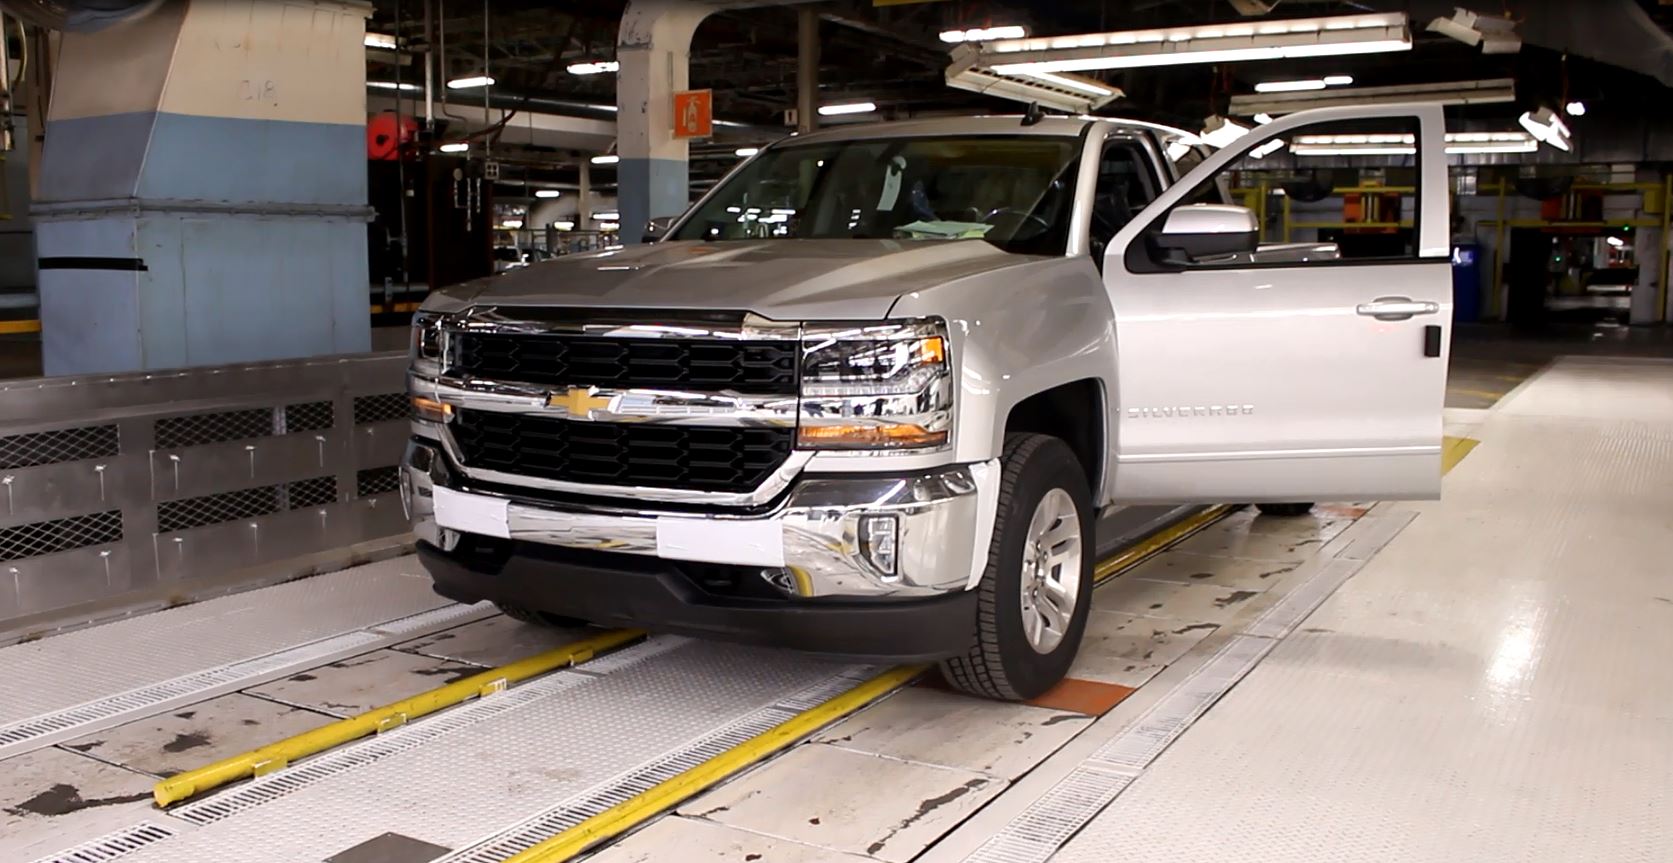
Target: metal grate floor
68 670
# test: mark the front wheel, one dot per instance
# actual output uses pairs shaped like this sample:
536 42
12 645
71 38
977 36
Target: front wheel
1036 592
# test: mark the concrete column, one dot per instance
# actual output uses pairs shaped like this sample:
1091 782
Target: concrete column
203 188
807 69
654 50
584 199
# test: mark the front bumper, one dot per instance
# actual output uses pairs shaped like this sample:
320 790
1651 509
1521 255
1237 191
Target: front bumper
807 546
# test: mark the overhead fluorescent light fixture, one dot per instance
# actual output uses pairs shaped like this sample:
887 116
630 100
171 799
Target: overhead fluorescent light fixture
599 68
381 40
1495 35
1338 80
547 193
1219 131
403 86
1261 151
470 82
1457 143
1575 109
847 108
1214 43
1289 86
1074 94
455 147
511 224
1617 242
1546 127
607 216
983 34
605 160
746 152
1446 93
564 225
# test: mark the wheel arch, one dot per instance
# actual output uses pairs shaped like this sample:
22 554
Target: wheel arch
1074 412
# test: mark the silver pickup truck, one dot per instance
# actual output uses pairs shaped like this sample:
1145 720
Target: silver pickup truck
870 393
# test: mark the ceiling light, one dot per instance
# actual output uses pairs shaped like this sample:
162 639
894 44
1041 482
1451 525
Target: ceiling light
1073 82
1218 131
597 68
1076 94
1546 127
1263 150
746 152
605 160
1263 118
455 147
564 225
1338 80
607 216
380 40
1495 35
1457 143
511 224
391 85
847 108
1266 40
470 82
1289 86
1617 242
546 193
1446 93
983 34
1575 109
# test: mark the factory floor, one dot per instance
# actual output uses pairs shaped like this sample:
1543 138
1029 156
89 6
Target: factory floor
1478 678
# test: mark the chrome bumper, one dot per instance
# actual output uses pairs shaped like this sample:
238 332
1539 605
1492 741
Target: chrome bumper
944 521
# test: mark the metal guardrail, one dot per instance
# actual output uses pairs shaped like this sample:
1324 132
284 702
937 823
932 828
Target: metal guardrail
157 483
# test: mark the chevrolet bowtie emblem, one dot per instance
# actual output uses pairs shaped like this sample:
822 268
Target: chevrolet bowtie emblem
578 402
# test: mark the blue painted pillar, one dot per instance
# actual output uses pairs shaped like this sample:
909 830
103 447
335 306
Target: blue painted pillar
653 47
203 188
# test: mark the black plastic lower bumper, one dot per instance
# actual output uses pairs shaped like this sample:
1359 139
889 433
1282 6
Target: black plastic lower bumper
639 591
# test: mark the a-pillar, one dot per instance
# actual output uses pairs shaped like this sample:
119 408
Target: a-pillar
203 188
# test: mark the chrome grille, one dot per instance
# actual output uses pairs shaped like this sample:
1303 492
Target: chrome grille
700 458
707 365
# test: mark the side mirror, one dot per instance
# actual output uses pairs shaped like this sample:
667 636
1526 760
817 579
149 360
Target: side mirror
1200 231
658 228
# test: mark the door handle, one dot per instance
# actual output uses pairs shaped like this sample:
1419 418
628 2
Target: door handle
1397 308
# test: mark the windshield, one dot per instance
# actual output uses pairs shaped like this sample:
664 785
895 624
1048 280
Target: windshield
1012 191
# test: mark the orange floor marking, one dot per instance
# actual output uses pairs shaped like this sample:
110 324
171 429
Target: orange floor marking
1083 696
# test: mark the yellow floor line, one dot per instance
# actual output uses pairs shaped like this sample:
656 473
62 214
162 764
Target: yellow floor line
1453 450
672 792
1480 394
276 756
1157 541
15 327
644 806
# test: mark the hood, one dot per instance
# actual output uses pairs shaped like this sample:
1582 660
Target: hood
779 279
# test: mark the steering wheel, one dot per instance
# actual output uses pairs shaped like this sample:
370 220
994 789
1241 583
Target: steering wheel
1014 219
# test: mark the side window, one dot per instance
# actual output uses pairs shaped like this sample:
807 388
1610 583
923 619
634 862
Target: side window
1126 184
1322 194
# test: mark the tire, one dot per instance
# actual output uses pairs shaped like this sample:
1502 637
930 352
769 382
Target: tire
1284 510
539 618
1040 475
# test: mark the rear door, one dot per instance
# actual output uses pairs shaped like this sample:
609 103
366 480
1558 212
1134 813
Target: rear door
1315 367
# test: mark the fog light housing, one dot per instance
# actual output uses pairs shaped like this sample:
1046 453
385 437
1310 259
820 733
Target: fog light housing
879 541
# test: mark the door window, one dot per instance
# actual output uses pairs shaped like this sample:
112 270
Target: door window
1323 194
1125 186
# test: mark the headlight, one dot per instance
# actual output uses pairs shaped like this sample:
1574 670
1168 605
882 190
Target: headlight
882 386
426 345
